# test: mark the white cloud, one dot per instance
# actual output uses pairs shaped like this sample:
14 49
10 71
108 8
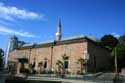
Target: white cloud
11 13
115 34
7 31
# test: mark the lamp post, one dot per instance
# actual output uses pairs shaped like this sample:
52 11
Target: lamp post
29 54
30 50
52 55
116 67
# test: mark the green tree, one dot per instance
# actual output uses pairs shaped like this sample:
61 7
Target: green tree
82 62
121 56
60 64
40 65
65 57
120 52
122 40
1 58
65 61
109 41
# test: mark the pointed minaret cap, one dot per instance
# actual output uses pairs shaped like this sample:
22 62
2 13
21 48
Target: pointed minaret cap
59 23
58 33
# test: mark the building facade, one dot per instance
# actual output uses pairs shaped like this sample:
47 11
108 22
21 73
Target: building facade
97 57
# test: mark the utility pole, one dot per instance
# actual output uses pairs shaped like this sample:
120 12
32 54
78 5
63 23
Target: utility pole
116 67
29 54
51 57
52 50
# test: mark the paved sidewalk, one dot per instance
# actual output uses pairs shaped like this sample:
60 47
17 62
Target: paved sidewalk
65 80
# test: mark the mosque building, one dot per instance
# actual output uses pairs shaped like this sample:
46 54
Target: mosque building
69 51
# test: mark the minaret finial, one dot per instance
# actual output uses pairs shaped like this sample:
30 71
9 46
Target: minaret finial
59 24
59 34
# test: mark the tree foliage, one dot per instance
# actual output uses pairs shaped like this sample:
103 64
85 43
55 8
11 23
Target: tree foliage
122 40
60 64
109 41
65 57
120 52
82 62
40 63
1 58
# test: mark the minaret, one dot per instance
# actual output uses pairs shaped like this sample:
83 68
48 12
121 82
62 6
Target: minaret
58 33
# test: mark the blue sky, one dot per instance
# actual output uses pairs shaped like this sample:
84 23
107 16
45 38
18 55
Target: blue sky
37 20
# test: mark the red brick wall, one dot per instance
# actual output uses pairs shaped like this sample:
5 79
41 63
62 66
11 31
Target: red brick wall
74 51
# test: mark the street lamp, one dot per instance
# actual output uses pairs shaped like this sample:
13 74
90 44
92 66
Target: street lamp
52 48
116 66
29 54
30 50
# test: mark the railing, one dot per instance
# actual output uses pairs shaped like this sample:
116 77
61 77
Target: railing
105 78
98 77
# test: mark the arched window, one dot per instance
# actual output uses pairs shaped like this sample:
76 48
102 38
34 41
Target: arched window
66 61
66 64
45 65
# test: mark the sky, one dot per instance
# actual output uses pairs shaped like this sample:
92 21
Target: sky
37 20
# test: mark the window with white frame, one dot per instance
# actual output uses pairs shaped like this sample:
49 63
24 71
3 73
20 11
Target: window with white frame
66 64
45 64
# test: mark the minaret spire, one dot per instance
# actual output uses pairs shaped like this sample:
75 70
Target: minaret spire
59 34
